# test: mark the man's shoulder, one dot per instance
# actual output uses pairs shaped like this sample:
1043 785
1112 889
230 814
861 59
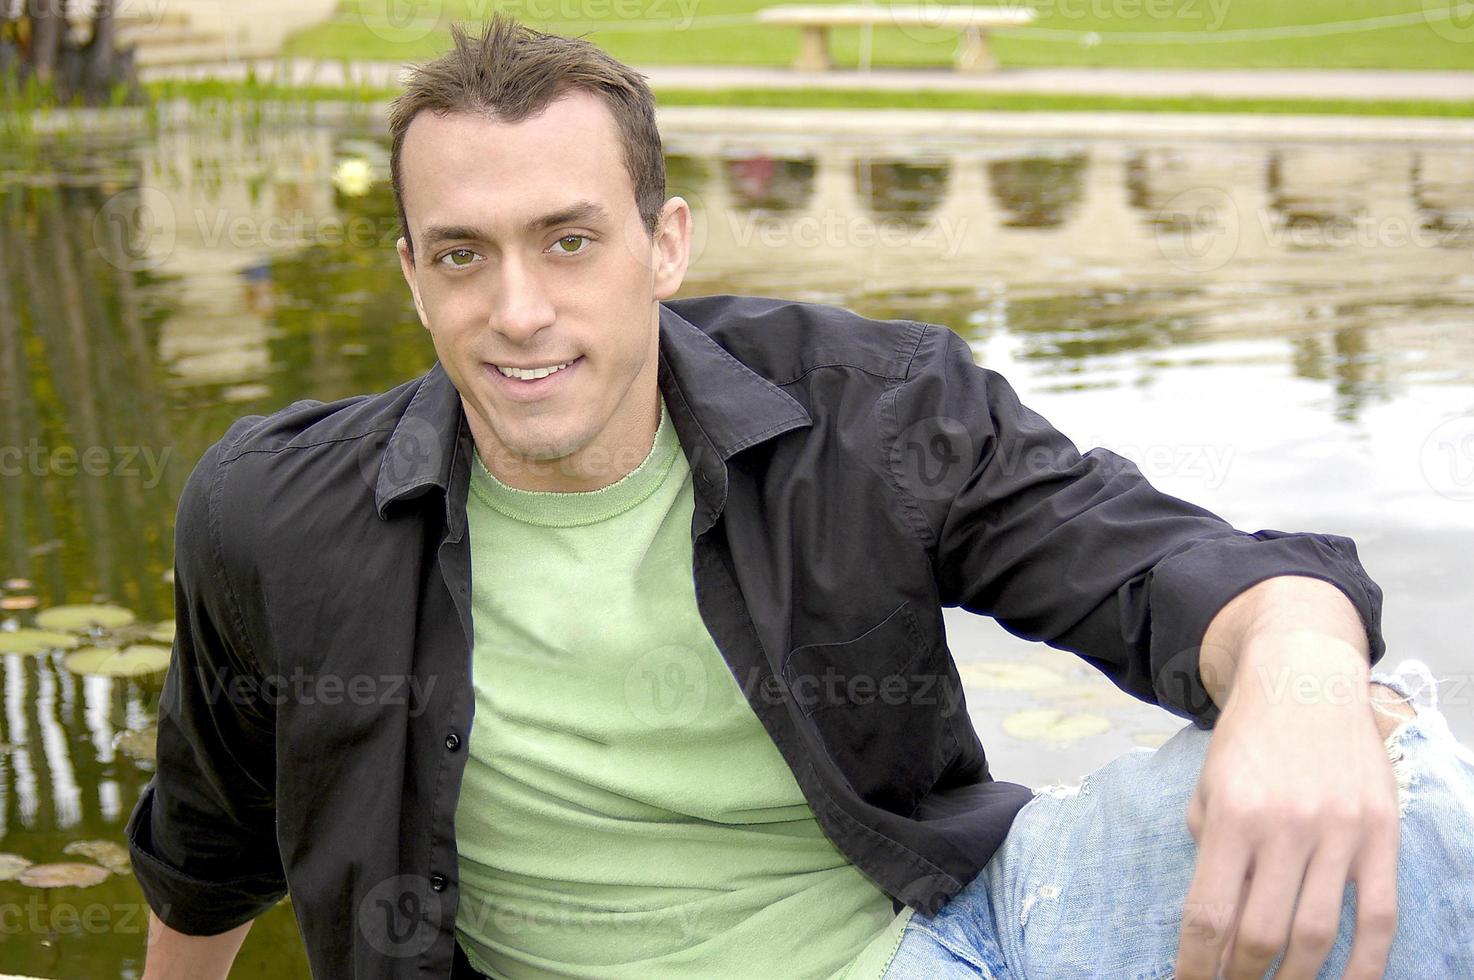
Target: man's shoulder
260 456
785 339
308 422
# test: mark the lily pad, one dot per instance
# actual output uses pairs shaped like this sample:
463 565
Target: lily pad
134 661
12 865
35 641
1092 694
162 632
67 874
82 618
1045 725
999 675
109 854
141 743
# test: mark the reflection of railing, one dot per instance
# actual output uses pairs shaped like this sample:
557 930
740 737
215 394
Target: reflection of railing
63 770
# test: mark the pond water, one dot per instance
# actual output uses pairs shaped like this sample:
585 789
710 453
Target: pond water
1282 333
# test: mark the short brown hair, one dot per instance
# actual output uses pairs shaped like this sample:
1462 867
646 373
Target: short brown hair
510 72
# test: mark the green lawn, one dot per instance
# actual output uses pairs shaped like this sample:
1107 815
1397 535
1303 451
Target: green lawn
1178 33
221 92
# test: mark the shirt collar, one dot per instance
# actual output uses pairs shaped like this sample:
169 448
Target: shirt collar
719 405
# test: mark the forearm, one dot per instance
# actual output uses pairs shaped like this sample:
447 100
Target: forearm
1284 632
172 955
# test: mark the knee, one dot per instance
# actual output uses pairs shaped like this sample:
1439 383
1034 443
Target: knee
1390 708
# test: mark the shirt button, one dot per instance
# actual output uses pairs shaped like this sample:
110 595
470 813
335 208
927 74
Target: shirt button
437 883
452 741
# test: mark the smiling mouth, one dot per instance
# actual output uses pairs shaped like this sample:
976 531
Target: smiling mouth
532 374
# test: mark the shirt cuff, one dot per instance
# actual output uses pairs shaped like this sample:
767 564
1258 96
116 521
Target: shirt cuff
1189 588
183 902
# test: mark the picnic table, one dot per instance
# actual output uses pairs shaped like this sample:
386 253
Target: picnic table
815 21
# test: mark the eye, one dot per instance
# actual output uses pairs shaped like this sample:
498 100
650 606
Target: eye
459 258
559 246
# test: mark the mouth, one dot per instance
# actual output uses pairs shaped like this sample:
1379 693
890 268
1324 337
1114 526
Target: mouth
531 381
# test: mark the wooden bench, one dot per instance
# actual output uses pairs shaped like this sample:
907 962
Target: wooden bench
973 22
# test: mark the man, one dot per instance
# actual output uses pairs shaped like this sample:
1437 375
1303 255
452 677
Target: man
613 647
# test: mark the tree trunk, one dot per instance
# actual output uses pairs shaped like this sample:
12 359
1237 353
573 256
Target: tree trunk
39 44
46 35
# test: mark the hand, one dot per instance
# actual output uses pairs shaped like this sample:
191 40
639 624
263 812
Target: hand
1296 797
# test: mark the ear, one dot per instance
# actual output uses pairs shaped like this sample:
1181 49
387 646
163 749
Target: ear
671 249
407 266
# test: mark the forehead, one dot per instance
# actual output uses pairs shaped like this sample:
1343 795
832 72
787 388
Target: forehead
463 165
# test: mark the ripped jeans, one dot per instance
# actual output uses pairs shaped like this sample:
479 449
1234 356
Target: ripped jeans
1091 880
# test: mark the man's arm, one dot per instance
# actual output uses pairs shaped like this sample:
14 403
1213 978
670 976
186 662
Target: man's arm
202 835
1080 551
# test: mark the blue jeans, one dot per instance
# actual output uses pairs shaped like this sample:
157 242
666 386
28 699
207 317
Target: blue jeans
1091 880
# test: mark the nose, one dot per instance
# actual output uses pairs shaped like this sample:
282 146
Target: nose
520 307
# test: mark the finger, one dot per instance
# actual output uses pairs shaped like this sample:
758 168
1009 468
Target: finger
1318 912
1212 898
1375 872
1269 907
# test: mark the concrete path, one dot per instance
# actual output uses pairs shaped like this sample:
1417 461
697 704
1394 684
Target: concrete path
1266 84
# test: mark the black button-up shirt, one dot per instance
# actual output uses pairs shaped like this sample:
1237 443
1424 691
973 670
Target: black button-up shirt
852 477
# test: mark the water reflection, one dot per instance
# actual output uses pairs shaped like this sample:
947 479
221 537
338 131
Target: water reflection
1253 299
1038 191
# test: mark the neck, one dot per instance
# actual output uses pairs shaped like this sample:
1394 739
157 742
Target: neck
626 440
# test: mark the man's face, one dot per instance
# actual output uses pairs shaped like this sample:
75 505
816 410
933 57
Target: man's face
529 253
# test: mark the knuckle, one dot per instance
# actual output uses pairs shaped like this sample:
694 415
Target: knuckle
1345 812
1380 917
1316 935
1258 945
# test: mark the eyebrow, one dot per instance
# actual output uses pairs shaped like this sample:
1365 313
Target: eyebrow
580 212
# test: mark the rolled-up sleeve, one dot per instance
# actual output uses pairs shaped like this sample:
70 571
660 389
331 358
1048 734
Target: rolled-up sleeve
1077 551
202 835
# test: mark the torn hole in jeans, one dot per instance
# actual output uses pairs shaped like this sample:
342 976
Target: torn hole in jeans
1042 892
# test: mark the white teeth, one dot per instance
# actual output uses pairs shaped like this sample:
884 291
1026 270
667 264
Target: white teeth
532 373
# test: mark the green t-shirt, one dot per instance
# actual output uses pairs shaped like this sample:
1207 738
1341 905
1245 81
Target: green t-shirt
624 813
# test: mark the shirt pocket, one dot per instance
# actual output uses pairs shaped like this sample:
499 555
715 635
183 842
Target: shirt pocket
879 705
